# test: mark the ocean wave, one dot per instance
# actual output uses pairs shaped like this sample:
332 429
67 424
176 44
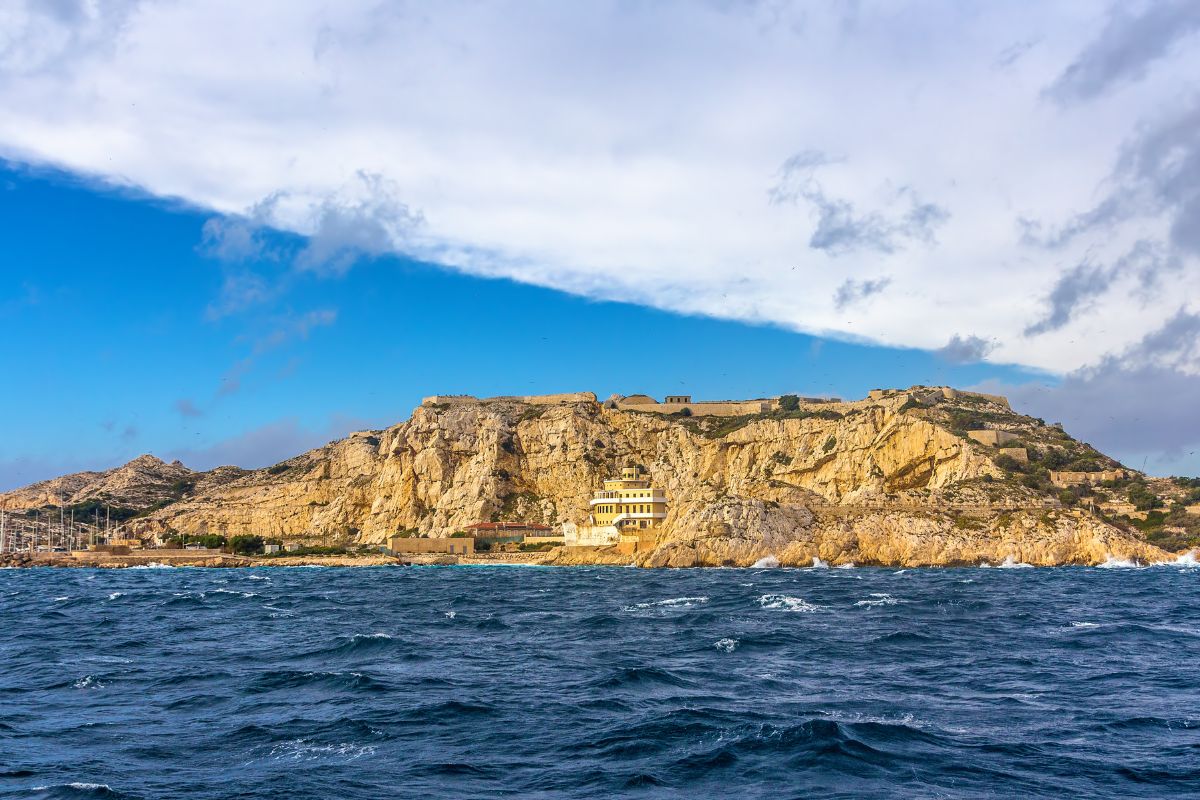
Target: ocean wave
879 599
75 791
787 603
307 750
819 564
633 676
726 645
152 565
275 680
1011 563
766 562
1118 563
89 682
847 565
672 602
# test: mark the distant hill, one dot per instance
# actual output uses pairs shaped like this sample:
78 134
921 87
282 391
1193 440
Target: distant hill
917 476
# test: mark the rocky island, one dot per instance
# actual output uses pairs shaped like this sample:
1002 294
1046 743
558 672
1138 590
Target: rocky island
927 476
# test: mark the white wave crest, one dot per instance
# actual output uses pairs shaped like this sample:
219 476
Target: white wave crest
152 565
1186 561
847 565
1118 563
767 562
726 645
115 595
673 602
879 599
1011 563
88 682
451 614
305 750
819 564
787 603
1085 625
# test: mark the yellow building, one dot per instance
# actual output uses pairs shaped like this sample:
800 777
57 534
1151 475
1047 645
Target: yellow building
628 501
624 506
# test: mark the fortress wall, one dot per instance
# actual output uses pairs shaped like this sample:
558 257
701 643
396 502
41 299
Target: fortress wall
704 409
529 399
556 399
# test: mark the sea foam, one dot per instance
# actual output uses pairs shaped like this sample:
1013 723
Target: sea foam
785 602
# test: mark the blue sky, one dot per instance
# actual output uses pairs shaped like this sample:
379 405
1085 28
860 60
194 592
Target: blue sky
113 348
231 257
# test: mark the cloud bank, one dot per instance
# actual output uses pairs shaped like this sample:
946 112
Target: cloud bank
900 172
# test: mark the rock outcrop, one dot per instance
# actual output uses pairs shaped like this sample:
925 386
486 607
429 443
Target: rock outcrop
887 480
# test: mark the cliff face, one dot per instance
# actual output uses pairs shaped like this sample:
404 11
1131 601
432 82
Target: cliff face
884 481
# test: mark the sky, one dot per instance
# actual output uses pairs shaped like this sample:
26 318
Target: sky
230 231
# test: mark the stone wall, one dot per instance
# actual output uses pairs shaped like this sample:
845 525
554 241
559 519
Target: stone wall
1079 478
992 437
704 408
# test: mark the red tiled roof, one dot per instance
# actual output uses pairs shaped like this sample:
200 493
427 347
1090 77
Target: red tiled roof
507 526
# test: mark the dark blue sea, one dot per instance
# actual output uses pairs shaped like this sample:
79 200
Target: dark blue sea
467 682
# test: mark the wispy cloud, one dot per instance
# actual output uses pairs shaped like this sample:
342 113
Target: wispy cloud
852 291
965 349
1136 36
840 227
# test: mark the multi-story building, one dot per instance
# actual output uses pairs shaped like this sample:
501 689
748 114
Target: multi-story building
625 505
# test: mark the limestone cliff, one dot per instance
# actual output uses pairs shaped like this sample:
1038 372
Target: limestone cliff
888 480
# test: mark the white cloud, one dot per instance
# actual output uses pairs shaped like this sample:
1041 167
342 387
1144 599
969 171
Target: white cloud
628 151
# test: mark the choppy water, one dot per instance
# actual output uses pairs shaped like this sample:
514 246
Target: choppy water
538 682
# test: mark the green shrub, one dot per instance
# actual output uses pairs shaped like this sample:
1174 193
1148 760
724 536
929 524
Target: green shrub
789 402
830 443
246 545
1009 464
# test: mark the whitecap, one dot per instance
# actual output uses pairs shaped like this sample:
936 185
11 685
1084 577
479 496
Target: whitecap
1118 563
1011 563
115 595
451 614
767 562
847 565
61 599
787 603
878 599
152 565
726 645
819 564
232 591
1085 625
304 750
259 578
673 602
88 682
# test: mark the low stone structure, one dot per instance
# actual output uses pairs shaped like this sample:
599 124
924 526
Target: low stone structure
993 438
633 541
528 399
676 403
418 544
1019 454
1067 478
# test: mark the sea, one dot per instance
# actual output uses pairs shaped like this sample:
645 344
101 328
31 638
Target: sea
605 682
